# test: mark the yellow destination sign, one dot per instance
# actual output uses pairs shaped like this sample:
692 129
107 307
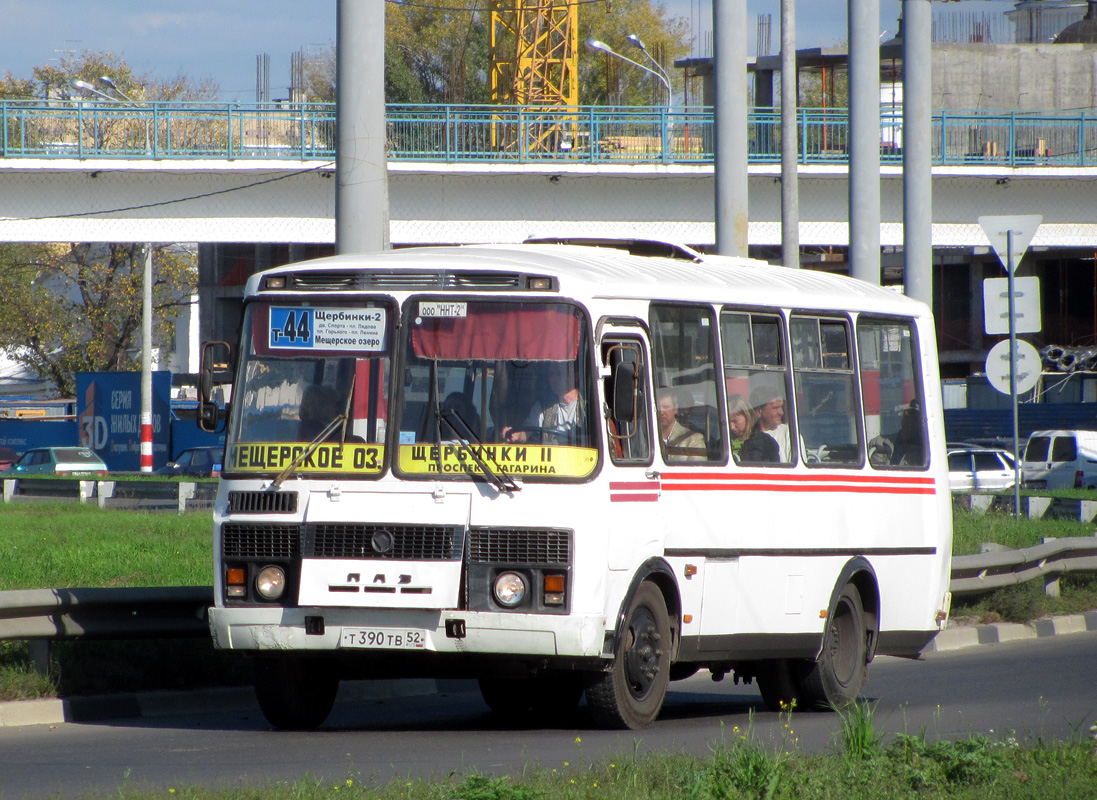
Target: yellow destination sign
509 459
359 459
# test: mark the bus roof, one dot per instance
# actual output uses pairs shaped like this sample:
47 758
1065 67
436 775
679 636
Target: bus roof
583 271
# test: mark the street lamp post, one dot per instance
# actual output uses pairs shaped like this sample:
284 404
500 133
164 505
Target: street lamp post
146 307
594 44
637 42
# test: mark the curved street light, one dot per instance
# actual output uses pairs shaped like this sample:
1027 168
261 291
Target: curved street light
594 44
637 42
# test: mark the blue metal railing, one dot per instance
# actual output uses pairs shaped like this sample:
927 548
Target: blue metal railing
501 134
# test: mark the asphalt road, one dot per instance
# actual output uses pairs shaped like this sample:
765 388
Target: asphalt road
1038 688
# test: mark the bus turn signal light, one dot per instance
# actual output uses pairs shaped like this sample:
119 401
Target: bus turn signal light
554 590
235 578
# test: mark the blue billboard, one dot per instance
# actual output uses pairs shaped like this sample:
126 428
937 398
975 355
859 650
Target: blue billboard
108 412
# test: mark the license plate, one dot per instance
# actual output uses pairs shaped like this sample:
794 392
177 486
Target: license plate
384 638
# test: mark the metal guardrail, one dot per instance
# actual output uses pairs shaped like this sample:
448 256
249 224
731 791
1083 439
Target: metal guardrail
153 612
997 568
148 495
66 129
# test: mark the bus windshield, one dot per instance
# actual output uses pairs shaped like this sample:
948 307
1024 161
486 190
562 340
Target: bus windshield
497 387
312 375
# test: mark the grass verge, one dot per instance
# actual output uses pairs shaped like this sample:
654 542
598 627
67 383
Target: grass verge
741 766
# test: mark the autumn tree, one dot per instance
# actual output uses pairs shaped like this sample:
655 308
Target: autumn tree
77 307
53 81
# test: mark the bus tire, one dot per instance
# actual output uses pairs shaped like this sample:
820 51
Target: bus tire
777 682
295 694
547 693
630 694
834 680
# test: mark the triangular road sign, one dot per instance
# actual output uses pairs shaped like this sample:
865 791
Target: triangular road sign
998 228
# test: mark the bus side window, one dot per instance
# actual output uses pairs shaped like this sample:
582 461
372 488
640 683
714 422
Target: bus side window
827 408
628 424
691 428
895 420
756 384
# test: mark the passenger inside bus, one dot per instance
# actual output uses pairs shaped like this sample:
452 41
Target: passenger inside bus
561 422
679 442
769 405
319 406
748 443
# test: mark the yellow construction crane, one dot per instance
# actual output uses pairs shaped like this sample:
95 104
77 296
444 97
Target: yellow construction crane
534 62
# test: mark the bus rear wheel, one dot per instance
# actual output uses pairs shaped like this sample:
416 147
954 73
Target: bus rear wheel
295 694
835 679
630 694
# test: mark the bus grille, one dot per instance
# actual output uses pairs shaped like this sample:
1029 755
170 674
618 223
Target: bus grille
260 541
262 502
400 542
519 545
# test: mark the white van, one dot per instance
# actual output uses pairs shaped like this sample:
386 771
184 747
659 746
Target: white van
1060 460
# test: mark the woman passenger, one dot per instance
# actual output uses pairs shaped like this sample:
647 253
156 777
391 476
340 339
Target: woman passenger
749 444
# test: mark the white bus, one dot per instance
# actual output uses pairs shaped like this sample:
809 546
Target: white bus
569 470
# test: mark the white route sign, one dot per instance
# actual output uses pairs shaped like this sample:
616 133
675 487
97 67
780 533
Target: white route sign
1027 369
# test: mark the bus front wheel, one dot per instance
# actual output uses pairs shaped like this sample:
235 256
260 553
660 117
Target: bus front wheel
631 693
295 694
835 679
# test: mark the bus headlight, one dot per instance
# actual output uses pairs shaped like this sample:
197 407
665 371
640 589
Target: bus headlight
510 589
270 583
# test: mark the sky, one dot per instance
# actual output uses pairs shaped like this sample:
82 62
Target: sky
220 39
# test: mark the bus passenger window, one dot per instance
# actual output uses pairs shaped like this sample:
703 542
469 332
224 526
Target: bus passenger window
756 383
685 375
827 408
895 421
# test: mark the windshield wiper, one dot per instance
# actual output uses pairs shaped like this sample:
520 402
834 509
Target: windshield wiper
497 476
310 448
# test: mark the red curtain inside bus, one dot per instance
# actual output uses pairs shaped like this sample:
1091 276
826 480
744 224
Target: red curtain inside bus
500 332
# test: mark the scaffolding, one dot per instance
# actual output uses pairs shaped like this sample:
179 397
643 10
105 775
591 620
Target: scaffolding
534 62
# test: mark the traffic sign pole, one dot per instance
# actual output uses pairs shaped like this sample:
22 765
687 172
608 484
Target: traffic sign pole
1013 378
1015 232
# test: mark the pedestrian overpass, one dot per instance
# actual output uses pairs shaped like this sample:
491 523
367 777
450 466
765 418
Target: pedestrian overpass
263 173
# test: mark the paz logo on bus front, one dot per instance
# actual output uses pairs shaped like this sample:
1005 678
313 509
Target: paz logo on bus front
327 328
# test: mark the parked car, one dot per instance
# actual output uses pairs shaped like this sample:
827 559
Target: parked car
58 461
980 469
198 462
1061 460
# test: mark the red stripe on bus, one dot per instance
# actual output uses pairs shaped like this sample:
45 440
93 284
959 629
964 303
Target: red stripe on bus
793 487
633 498
798 477
616 486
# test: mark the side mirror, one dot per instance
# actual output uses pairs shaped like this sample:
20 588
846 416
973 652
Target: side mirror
216 370
623 405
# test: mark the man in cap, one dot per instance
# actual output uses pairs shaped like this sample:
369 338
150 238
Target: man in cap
768 401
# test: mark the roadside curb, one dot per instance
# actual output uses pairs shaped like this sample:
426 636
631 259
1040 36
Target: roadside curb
960 636
98 708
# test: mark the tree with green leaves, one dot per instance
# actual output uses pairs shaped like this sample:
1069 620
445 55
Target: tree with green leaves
604 79
77 307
